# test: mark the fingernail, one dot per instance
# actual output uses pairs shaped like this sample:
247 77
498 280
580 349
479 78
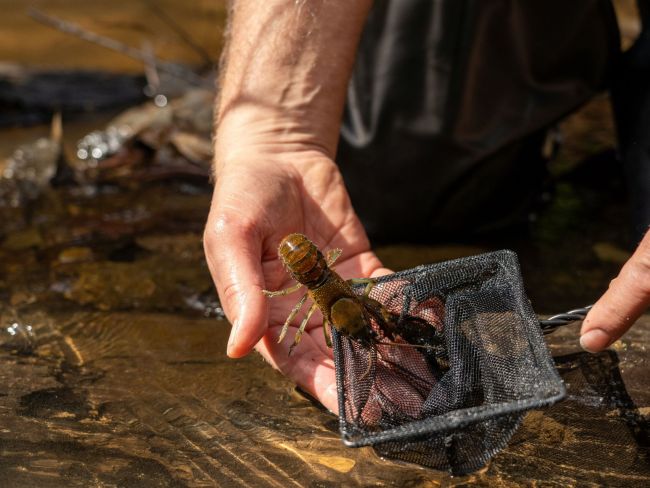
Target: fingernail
330 397
595 340
233 335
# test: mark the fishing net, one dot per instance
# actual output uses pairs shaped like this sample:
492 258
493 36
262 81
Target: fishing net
480 363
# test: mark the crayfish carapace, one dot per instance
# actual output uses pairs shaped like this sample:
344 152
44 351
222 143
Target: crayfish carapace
352 315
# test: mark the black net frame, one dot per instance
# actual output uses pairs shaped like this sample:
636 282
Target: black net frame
454 401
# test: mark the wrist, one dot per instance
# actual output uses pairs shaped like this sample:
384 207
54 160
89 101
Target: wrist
249 129
265 138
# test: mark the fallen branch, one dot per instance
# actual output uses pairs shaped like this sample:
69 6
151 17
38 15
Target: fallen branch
108 43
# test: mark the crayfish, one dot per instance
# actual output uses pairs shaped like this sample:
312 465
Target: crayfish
351 314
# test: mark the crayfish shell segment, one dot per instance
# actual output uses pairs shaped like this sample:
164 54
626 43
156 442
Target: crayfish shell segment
302 259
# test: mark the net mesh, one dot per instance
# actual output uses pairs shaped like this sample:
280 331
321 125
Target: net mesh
481 362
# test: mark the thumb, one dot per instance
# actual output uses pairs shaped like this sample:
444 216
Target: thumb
234 258
625 300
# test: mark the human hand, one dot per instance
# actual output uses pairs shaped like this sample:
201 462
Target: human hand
282 88
258 199
626 299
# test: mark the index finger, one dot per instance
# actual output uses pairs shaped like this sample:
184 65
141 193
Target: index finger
622 304
234 259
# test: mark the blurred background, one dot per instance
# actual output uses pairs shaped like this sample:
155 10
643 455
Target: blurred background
81 193
133 23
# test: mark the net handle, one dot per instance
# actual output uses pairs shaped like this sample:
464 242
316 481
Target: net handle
552 323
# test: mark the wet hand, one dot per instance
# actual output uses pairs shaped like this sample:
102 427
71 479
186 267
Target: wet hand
626 299
258 199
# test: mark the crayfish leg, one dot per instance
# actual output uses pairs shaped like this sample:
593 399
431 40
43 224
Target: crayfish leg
286 291
326 333
291 316
332 256
303 324
369 282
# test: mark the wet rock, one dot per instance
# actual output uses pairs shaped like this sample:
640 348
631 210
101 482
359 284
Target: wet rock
152 142
30 96
149 284
21 240
75 254
17 337
62 402
31 167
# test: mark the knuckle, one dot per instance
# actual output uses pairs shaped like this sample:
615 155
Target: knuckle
247 228
208 240
226 225
224 229
219 225
644 261
210 246
639 273
228 296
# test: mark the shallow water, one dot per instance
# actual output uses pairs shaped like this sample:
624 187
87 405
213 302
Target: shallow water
113 370
146 399
112 343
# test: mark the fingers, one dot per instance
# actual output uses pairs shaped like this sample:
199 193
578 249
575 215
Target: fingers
234 257
308 366
626 299
380 272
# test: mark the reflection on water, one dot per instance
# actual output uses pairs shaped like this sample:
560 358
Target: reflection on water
119 398
150 399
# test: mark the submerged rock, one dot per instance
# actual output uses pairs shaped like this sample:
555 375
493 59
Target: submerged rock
31 167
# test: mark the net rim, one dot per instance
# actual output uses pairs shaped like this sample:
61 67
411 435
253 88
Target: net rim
452 420
456 419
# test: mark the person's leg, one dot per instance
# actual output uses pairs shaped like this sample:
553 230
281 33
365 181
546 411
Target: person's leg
631 101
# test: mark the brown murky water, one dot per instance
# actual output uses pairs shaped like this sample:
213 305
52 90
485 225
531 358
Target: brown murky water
112 345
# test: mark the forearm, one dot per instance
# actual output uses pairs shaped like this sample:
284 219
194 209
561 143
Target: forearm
283 82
